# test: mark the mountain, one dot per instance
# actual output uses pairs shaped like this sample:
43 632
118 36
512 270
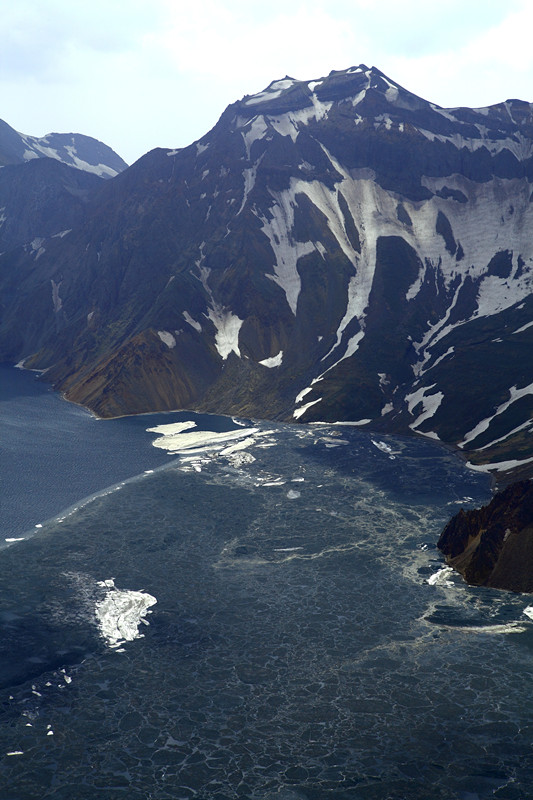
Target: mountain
74 149
335 249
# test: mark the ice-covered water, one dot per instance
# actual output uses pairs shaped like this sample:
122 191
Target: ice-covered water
303 641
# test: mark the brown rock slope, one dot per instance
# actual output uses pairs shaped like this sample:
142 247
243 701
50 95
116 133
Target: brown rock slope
493 545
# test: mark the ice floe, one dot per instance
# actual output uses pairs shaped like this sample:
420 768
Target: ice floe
441 577
177 442
384 447
120 613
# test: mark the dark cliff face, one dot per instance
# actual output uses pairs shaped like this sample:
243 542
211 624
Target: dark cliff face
493 546
40 199
336 249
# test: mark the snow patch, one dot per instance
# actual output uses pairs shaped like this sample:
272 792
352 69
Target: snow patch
299 412
273 361
227 327
500 466
258 128
272 92
524 328
302 394
56 300
287 252
167 338
430 405
192 322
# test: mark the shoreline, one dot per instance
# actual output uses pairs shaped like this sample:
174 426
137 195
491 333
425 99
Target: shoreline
498 480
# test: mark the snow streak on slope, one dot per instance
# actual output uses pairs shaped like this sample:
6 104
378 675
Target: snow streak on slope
287 252
429 404
227 324
481 427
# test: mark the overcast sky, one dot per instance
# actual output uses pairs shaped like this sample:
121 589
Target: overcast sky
140 74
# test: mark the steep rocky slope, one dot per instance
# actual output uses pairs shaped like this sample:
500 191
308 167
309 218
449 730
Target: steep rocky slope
40 199
493 546
332 249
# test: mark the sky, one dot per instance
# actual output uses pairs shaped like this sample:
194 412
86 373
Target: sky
139 74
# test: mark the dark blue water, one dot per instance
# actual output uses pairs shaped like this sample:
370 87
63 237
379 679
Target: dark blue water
53 453
298 649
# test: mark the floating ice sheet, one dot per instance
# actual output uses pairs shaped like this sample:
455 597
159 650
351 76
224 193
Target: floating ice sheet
120 613
175 442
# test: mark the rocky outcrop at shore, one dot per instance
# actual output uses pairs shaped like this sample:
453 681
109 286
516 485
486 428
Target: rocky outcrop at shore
493 545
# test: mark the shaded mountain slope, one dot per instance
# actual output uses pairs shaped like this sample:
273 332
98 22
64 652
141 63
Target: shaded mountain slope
332 249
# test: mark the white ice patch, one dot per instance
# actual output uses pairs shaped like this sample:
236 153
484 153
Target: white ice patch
442 577
101 170
192 322
227 327
287 252
175 441
172 428
120 613
430 405
256 129
383 446
299 412
272 92
273 361
524 328
240 445
226 323
500 466
301 395
167 338
249 176
354 423
56 300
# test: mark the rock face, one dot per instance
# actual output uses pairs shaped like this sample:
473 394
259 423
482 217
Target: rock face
335 249
41 199
493 546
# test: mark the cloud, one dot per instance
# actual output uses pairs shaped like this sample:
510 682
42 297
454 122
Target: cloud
143 73
493 65
40 39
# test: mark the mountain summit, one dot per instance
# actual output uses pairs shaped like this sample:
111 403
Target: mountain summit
74 149
333 249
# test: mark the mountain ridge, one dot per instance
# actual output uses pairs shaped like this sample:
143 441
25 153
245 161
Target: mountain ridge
332 249
74 149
